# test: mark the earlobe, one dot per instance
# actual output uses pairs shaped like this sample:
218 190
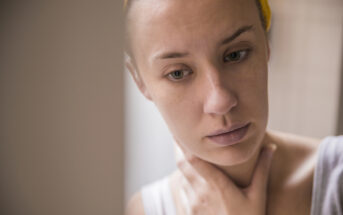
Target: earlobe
129 65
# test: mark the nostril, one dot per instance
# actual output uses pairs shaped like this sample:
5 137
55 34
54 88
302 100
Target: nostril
220 102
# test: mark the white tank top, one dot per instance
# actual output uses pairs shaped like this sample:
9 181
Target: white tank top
327 192
157 198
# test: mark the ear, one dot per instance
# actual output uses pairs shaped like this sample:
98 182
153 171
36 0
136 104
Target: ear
130 66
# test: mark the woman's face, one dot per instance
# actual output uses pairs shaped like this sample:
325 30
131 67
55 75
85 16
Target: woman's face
204 65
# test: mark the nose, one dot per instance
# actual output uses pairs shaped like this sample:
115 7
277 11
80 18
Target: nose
219 99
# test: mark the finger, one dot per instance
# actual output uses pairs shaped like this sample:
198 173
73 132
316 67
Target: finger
187 196
211 174
185 202
194 179
179 154
197 202
185 163
261 173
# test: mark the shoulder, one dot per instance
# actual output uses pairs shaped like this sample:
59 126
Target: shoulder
135 205
292 172
294 149
297 146
295 158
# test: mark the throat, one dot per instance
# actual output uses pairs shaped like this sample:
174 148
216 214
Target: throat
242 174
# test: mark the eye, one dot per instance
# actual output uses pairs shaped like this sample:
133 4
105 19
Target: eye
236 56
178 75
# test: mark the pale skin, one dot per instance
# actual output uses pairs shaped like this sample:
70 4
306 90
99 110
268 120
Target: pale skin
204 65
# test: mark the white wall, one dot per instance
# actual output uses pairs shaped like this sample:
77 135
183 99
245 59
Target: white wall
149 149
305 66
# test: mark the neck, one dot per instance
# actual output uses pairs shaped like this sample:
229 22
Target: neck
241 174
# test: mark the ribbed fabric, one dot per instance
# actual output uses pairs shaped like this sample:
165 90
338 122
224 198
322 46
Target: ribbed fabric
157 198
328 178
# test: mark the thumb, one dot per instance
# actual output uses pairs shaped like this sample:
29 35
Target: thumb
261 173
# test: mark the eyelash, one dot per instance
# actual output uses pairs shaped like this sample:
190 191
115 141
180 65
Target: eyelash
241 57
169 75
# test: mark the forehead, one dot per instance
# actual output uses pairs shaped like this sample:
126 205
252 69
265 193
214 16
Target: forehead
182 11
156 24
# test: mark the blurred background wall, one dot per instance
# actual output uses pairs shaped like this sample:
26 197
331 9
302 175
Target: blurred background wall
340 109
61 115
305 87
305 67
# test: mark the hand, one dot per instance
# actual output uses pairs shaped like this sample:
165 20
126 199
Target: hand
207 190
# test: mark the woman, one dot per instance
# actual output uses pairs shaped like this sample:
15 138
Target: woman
204 65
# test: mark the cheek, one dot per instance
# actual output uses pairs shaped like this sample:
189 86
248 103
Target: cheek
258 97
252 90
182 116
179 115
176 102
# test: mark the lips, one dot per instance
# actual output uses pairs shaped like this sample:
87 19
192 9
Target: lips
229 136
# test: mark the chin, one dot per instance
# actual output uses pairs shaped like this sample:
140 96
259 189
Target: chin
229 159
236 154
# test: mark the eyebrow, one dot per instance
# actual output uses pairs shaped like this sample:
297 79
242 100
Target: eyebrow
170 55
237 33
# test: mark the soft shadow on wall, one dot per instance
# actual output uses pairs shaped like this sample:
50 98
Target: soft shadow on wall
340 117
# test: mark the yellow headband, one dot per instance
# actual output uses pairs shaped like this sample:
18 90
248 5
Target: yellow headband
125 4
267 14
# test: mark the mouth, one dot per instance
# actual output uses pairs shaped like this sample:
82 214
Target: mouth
230 136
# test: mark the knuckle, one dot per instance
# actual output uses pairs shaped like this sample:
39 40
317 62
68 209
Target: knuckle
219 184
207 189
212 187
202 197
192 160
199 203
181 163
195 209
202 200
